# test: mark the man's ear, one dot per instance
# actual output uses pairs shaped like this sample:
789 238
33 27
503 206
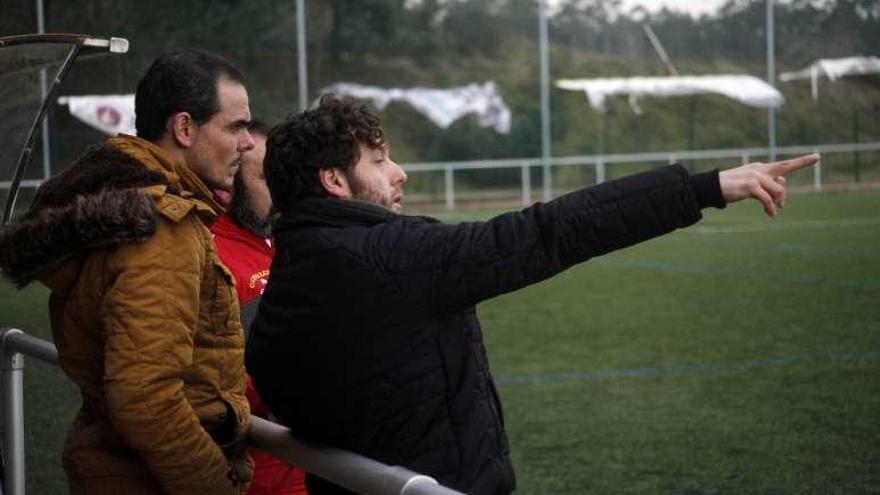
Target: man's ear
334 182
182 129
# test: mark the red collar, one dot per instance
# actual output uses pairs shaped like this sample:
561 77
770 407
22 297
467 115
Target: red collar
227 228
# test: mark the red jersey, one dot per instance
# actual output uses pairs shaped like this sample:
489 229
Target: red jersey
248 256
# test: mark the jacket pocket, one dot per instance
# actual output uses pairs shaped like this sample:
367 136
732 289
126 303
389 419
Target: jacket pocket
224 308
224 430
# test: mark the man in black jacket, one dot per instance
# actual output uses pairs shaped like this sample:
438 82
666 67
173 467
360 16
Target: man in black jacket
367 338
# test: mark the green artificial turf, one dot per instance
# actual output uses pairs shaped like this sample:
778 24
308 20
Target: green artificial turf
741 355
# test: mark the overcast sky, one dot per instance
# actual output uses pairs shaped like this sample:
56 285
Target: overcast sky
693 7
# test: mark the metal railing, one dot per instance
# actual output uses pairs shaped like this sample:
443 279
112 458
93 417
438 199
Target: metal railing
349 470
601 164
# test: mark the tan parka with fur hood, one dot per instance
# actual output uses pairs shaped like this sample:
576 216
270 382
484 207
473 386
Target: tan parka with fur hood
145 319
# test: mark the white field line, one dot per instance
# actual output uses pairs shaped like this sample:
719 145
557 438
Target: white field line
770 225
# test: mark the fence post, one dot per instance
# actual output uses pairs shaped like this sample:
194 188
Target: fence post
548 179
745 158
450 187
857 161
600 171
526 184
13 417
817 176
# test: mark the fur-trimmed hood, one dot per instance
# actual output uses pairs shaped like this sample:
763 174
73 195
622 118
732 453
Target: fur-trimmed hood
103 199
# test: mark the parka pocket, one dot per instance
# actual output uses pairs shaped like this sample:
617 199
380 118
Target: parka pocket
225 312
224 430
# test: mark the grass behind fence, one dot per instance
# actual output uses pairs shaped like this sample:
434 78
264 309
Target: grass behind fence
741 355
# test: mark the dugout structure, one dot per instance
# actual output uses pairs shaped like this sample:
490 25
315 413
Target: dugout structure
32 67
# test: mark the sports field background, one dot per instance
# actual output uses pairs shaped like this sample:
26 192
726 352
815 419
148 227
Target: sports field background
741 355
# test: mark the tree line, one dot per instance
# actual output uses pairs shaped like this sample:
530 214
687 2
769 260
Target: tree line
444 43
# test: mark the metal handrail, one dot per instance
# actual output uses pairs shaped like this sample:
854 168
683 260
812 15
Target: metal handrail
644 157
744 154
601 163
347 469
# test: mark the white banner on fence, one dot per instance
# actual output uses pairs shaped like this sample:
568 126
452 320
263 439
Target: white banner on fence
441 106
745 89
110 114
833 69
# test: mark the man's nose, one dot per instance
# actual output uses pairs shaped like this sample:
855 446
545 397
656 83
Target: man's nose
246 143
402 177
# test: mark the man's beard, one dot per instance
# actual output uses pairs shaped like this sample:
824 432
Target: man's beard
361 192
244 215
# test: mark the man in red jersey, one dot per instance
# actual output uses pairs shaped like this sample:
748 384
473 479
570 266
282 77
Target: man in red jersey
245 247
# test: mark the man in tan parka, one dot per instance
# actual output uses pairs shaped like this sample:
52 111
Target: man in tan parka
144 315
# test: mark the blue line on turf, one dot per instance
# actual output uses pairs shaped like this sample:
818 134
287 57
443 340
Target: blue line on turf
684 369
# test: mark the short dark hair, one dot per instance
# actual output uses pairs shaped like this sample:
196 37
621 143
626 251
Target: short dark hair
181 81
327 136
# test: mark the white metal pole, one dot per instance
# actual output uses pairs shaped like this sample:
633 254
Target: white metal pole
44 130
545 99
301 54
658 48
771 80
600 171
13 418
449 180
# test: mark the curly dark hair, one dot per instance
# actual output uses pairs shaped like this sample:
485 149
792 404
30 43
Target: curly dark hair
326 136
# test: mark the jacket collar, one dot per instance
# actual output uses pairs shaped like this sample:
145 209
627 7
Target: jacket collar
333 212
109 196
179 176
336 212
226 227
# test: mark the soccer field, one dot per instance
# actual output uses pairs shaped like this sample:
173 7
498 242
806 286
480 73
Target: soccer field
741 355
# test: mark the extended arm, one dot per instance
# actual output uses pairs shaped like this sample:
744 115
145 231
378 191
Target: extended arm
460 265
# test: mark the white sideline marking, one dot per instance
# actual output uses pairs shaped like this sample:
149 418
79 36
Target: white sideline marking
795 225
674 369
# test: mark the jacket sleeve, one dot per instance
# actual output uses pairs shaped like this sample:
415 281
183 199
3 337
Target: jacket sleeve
448 266
150 315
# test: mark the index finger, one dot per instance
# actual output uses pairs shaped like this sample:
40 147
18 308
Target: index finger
785 166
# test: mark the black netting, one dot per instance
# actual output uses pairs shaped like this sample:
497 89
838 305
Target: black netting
26 73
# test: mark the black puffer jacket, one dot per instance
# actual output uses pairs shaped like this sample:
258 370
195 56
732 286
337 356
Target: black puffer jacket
367 337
